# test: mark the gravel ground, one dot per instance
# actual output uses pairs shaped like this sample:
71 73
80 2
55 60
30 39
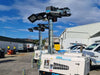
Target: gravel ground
14 65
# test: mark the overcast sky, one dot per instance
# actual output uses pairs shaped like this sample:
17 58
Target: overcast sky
14 13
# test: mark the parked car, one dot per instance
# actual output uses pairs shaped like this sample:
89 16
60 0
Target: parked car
72 49
76 48
93 51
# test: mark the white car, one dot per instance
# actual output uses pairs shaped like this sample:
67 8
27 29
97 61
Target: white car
75 48
72 49
93 51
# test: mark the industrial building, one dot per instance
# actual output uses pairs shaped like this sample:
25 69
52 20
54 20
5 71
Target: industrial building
4 44
18 43
84 34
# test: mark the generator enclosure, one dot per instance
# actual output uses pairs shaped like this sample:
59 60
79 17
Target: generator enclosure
37 54
68 64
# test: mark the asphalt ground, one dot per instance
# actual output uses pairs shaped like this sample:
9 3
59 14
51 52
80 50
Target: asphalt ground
15 64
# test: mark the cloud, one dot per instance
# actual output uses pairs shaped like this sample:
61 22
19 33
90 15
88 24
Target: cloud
5 8
14 31
25 30
28 7
55 31
32 37
8 27
83 11
60 27
6 18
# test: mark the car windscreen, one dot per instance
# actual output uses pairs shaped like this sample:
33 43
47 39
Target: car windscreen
91 47
71 47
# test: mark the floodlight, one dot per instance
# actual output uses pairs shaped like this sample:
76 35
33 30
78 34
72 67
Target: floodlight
51 8
36 28
65 11
30 29
32 18
54 14
40 15
43 26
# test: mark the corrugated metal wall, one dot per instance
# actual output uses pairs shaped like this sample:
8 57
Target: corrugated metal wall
4 44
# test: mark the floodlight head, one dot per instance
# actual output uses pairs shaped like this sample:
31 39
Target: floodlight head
66 11
36 28
30 29
40 15
32 18
43 26
51 8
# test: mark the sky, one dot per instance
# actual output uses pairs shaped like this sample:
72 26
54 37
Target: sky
14 14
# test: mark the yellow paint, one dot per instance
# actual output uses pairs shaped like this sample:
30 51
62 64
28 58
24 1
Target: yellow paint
57 46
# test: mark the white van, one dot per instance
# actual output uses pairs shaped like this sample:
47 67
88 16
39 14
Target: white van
93 51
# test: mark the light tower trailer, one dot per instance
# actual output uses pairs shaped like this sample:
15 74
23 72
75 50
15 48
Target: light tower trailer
68 64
